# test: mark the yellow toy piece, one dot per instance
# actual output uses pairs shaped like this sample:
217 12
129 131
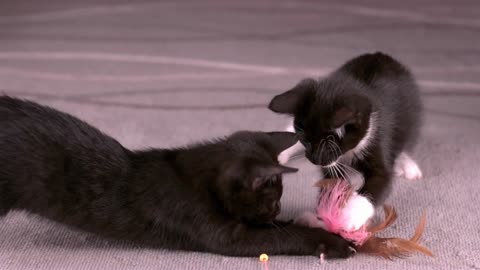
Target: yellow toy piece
263 257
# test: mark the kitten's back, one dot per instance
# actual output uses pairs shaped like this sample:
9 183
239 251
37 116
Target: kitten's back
48 157
394 90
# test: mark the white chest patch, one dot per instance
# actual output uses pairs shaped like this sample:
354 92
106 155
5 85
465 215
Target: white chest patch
362 147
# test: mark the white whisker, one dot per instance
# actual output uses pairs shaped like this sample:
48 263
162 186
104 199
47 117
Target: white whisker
322 143
351 169
335 148
346 174
337 175
362 148
337 168
356 178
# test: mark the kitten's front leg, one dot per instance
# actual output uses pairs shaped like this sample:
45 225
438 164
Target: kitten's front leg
281 238
212 232
378 178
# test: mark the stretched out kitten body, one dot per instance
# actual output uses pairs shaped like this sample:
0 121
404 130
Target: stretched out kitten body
360 123
220 197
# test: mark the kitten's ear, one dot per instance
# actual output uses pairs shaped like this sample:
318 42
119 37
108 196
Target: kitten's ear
352 111
282 140
289 101
275 170
264 174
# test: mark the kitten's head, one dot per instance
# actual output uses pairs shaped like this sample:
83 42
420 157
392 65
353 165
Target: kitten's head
251 179
331 116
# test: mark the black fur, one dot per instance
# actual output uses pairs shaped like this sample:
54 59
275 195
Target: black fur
219 197
368 85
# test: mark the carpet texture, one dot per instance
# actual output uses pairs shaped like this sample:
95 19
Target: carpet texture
161 74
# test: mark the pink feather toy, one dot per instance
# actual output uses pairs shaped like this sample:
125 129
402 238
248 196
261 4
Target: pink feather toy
331 202
334 194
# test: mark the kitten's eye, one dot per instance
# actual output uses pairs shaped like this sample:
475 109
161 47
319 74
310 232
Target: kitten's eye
350 127
272 180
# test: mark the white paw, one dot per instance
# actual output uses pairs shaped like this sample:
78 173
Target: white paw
309 219
294 151
407 167
284 157
357 212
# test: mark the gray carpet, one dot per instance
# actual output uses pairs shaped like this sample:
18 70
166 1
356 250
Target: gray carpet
169 73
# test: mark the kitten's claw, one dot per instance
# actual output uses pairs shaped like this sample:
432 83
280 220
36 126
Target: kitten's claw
406 167
336 248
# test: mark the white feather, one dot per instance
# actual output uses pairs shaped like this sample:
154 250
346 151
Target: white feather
357 211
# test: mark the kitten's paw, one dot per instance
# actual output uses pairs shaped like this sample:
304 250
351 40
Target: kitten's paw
407 167
335 248
413 172
285 156
309 219
357 212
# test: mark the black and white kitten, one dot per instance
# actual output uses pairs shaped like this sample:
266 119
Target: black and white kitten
220 197
358 123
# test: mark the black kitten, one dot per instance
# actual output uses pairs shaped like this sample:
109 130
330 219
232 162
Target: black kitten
361 118
219 197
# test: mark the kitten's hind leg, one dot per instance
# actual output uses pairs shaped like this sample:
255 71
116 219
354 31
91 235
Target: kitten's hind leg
406 167
296 149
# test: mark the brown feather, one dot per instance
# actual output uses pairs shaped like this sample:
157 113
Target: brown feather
390 218
420 228
390 248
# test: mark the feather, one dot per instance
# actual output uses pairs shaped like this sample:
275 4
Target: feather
420 228
333 195
390 217
394 247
